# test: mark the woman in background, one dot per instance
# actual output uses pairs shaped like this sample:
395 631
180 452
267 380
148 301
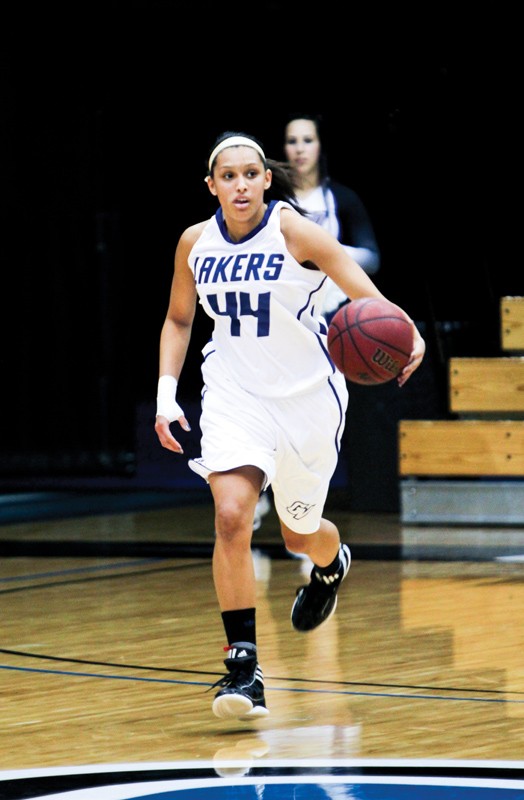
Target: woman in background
332 205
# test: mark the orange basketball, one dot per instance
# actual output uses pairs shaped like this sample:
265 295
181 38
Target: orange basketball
370 340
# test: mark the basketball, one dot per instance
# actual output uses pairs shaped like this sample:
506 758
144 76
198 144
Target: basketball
370 340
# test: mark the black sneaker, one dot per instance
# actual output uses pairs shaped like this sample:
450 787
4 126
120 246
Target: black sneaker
316 602
242 695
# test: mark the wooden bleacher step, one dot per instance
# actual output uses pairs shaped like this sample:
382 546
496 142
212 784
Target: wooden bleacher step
512 323
494 385
461 448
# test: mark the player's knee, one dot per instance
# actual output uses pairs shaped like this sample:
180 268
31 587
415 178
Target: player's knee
232 521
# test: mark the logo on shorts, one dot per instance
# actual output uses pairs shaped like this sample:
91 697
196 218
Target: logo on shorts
298 509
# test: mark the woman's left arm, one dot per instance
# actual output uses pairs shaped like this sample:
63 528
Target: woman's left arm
356 230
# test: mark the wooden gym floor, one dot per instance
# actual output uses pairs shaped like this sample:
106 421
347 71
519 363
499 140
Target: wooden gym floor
111 640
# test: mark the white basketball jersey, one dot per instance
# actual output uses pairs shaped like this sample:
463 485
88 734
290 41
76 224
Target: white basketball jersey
269 333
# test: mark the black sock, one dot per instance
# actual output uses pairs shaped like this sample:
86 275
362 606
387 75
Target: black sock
332 568
240 626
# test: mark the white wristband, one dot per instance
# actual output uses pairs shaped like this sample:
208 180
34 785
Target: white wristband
166 404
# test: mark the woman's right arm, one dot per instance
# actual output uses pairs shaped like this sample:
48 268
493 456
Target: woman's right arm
174 341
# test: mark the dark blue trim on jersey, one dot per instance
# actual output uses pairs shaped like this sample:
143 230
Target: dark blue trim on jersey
326 353
210 352
309 303
219 216
339 432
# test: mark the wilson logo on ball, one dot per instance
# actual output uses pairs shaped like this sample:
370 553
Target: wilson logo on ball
384 360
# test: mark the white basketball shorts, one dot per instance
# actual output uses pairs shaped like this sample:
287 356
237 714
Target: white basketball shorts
295 441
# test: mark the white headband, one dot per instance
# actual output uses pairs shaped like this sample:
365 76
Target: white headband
235 141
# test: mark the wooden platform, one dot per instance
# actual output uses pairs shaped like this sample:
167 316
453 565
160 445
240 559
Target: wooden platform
478 385
457 469
461 447
512 323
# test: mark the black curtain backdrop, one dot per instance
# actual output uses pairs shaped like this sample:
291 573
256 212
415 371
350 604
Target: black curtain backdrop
108 113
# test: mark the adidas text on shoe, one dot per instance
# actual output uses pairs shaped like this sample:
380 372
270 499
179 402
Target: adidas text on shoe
242 692
316 602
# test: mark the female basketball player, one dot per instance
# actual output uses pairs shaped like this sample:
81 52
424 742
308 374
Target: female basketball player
273 406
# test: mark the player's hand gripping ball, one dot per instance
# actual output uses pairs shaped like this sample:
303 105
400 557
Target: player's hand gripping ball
370 340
